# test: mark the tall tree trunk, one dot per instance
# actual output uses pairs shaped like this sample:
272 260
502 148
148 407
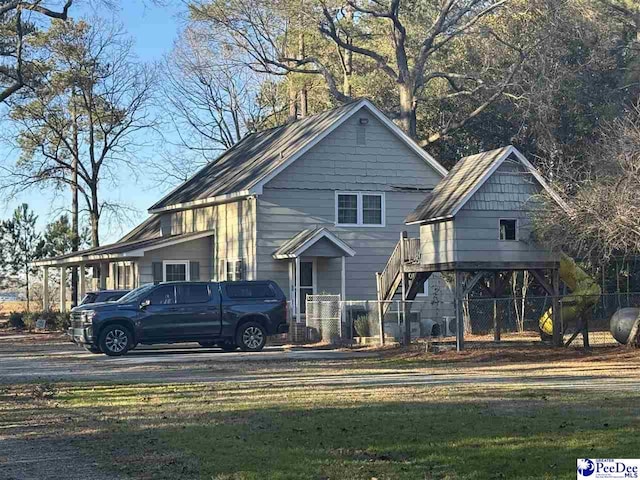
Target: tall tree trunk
94 215
293 101
27 287
75 240
304 104
348 57
408 110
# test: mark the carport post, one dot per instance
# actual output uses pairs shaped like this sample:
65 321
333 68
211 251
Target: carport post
556 312
104 272
63 289
458 296
45 288
297 277
343 291
82 281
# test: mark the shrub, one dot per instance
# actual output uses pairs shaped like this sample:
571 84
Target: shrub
361 324
30 320
16 319
62 321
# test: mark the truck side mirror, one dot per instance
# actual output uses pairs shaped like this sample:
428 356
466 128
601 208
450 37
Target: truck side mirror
145 304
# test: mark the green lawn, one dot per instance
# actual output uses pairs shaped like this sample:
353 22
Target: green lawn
235 431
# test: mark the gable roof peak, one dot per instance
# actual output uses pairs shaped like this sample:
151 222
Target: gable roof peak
465 179
246 167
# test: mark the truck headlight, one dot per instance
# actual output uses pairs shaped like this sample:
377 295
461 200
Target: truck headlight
89 315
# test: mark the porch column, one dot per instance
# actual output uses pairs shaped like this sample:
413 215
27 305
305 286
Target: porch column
63 289
82 283
104 271
45 288
343 292
298 314
344 279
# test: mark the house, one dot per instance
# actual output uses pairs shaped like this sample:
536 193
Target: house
315 205
477 223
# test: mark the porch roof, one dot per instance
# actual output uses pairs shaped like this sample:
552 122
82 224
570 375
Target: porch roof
119 250
297 245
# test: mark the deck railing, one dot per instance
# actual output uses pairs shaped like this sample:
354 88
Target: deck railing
407 250
412 250
391 271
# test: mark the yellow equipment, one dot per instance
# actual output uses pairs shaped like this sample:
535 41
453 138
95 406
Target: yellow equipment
585 293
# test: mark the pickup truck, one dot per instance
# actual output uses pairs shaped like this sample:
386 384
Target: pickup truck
229 315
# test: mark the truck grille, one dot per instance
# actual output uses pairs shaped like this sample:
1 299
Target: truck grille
76 320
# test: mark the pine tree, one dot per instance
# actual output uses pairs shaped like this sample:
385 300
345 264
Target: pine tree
21 244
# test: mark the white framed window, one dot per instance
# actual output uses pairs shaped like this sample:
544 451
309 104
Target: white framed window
232 270
175 270
123 275
360 209
424 290
508 229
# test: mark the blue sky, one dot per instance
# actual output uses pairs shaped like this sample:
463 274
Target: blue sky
153 29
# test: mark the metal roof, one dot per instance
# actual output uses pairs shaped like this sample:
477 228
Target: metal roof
447 196
255 159
301 241
135 248
464 180
150 228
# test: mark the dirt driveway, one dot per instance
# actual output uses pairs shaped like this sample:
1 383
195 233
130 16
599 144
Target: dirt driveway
51 358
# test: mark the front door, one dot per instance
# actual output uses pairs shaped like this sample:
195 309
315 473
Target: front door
307 284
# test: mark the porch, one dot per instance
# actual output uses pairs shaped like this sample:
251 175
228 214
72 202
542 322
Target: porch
128 265
316 258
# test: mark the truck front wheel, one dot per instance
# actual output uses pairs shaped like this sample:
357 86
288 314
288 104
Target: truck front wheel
251 337
115 340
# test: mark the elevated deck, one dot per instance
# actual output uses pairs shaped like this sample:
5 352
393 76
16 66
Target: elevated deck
405 273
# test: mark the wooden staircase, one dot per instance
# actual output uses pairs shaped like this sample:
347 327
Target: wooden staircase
406 252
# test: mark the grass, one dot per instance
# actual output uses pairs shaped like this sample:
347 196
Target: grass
260 430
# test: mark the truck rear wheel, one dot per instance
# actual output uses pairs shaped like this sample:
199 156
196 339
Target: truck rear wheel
251 337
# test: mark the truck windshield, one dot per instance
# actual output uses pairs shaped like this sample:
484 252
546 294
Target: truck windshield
135 293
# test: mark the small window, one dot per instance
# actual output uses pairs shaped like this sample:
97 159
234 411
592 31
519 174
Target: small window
234 270
164 295
360 209
177 271
508 229
371 209
250 290
347 209
198 293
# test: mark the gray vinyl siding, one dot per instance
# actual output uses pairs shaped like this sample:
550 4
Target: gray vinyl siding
283 213
234 226
198 250
303 196
338 163
510 193
437 243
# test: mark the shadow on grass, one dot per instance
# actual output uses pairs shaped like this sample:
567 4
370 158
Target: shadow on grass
174 432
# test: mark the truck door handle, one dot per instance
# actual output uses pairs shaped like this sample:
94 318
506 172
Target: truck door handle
271 301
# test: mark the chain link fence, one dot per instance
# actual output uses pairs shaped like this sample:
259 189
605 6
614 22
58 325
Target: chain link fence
330 320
